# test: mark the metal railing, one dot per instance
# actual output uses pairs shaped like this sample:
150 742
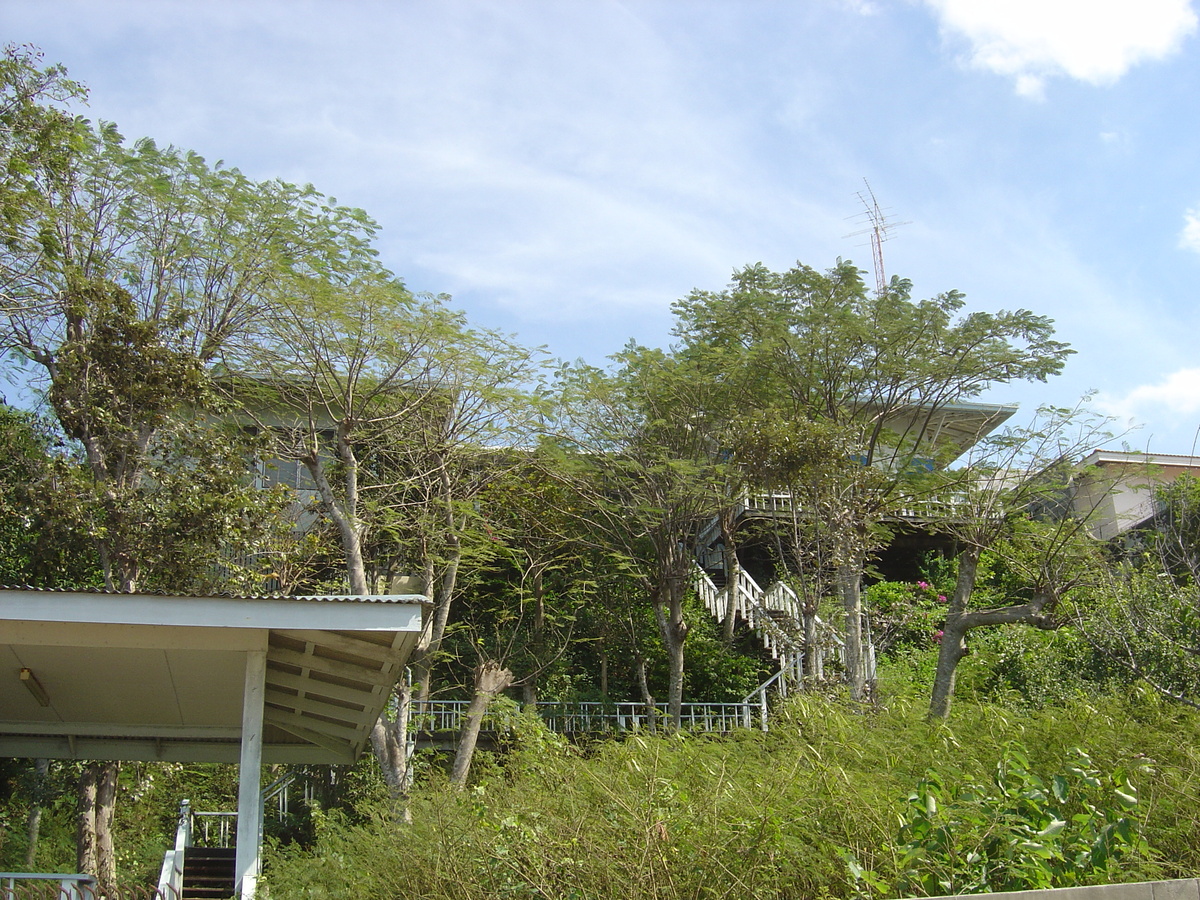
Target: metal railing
40 886
210 829
592 717
170 877
924 508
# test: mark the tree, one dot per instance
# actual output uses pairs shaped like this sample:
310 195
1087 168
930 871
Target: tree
542 574
139 270
879 368
647 468
37 136
1009 499
126 274
832 522
394 407
44 538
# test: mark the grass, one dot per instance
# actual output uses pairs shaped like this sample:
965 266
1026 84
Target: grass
750 815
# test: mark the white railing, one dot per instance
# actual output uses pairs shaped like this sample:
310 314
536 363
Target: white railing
755 606
21 885
776 684
766 613
170 878
779 501
925 508
209 829
589 716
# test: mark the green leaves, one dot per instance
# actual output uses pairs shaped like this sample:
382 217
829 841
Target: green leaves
963 838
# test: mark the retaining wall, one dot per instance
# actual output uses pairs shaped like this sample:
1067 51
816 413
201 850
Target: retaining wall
1181 889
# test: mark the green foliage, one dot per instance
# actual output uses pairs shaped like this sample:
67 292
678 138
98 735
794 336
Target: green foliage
1022 667
43 535
1146 621
1018 832
905 616
37 136
773 815
1176 539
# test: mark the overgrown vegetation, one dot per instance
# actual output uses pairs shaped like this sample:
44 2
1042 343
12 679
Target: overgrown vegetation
1105 790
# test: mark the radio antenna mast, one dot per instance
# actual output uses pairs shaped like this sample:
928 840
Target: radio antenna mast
879 228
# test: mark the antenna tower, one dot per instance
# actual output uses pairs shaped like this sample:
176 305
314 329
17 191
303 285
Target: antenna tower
879 228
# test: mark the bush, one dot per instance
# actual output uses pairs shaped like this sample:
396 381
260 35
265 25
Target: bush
1019 832
773 815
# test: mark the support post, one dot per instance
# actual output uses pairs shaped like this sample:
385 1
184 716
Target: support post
249 823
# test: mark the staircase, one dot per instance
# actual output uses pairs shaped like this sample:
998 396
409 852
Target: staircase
208 872
774 615
203 862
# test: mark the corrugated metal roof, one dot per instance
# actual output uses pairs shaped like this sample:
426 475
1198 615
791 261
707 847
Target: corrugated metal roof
318 598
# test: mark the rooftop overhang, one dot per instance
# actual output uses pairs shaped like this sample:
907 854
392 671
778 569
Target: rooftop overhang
152 677
956 426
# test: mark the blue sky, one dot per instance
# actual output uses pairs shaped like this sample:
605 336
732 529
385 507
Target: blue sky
567 168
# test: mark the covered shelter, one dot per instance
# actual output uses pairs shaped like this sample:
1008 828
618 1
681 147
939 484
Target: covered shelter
248 680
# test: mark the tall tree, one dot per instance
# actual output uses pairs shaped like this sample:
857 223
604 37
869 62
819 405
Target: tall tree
1009 497
126 274
44 531
138 270
38 136
394 406
649 470
881 368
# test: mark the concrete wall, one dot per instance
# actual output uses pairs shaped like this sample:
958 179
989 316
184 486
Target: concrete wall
1182 889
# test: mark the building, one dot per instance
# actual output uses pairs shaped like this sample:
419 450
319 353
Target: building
1114 491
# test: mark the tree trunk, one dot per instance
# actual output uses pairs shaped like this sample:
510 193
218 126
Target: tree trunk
344 515
644 687
443 601
814 657
954 637
850 584
1037 613
490 680
733 572
529 689
106 800
673 629
85 834
443 596
34 823
390 742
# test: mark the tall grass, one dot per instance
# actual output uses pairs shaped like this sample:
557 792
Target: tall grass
750 815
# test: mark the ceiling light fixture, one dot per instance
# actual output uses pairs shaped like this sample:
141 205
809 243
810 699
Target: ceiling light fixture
35 687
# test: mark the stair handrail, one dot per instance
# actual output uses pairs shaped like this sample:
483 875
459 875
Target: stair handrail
278 789
773 636
758 698
170 878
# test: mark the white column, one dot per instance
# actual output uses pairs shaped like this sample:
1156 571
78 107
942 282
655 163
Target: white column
250 812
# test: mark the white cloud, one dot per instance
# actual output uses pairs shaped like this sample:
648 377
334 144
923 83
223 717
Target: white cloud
1031 40
1189 238
1176 395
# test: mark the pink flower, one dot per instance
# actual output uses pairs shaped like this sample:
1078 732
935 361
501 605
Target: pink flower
942 598
923 585
937 635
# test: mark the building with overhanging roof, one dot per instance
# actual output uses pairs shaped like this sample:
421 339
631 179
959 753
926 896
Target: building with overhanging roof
248 680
